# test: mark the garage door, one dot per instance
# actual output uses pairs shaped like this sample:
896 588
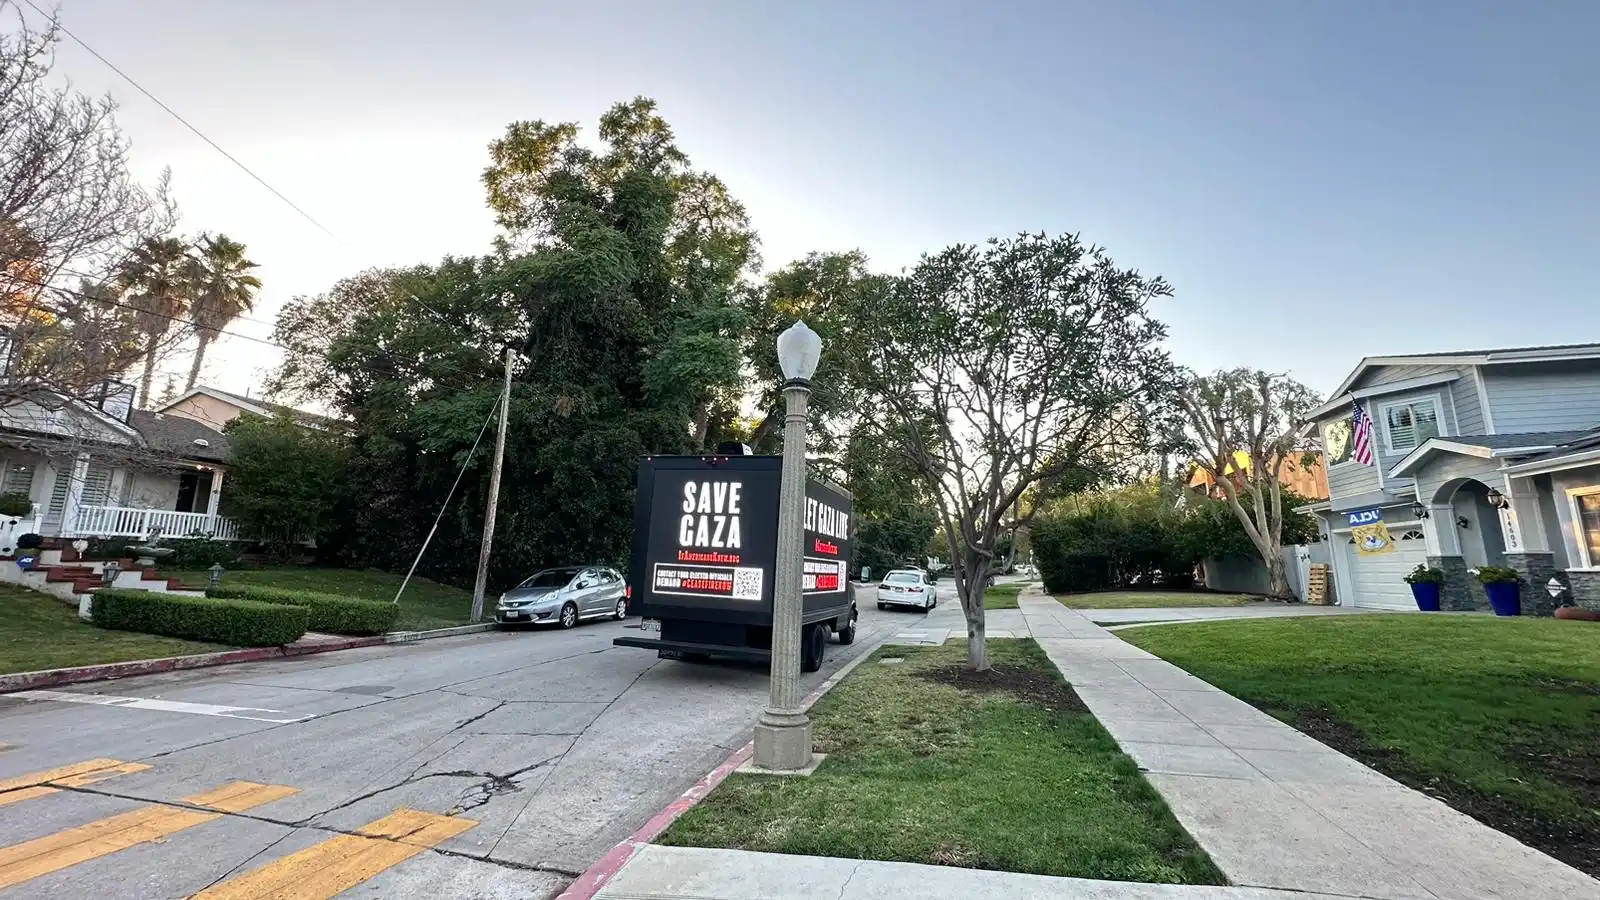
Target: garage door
1378 582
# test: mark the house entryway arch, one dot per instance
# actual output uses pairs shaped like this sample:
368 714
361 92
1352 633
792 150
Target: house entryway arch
1466 524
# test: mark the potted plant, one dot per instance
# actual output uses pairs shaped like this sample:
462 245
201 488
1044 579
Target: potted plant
1425 584
1504 587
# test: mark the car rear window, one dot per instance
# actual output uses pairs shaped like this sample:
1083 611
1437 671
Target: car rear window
903 578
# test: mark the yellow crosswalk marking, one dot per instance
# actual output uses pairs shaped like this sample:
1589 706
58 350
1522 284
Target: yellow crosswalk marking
39 787
342 862
41 856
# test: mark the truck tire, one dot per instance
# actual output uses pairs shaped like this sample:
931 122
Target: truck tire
847 634
813 643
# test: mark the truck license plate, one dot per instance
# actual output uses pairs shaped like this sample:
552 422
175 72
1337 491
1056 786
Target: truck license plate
651 625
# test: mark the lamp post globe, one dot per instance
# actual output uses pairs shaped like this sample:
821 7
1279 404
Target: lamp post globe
799 350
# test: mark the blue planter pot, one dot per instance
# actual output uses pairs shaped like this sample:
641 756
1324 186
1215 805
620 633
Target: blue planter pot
1427 595
1506 599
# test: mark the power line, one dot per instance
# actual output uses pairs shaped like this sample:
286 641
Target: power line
185 122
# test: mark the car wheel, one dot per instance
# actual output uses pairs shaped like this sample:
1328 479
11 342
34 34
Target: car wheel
812 648
622 609
883 606
847 634
569 615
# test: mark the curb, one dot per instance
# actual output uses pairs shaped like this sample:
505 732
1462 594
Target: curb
596 876
25 681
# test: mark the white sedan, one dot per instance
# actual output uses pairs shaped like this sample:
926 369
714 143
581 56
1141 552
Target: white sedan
908 587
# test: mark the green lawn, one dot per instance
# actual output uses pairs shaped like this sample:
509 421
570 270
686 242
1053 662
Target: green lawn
1149 599
1011 773
1498 717
1001 596
426 604
40 632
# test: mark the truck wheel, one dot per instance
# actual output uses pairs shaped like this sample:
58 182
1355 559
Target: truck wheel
812 645
883 606
847 634
569 615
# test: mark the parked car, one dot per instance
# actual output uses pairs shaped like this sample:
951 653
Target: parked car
564 596
908 587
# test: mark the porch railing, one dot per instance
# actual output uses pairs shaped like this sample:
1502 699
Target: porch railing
126 521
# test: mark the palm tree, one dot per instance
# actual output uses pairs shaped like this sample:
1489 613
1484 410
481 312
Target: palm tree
224 291
158 281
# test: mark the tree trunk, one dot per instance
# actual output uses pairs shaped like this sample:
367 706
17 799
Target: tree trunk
204 340
702 421
1277 575
977 645
972 606
149 374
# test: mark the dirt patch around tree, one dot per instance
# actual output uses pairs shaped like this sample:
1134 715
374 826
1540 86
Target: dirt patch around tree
1029 685
1577 769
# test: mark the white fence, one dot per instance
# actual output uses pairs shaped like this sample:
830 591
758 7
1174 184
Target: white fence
127 521
1247 574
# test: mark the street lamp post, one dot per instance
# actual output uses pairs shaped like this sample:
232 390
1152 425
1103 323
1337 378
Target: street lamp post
783 732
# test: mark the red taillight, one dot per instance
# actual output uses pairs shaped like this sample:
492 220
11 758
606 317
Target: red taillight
628 592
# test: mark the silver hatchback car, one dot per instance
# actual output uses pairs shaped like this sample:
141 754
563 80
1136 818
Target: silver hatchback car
564 596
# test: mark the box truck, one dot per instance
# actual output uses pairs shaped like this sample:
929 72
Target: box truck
705 547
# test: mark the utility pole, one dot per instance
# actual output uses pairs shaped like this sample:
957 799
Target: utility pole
482 583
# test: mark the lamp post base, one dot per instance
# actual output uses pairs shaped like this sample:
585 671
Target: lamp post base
783 741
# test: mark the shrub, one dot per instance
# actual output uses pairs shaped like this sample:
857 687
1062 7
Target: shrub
1422 574
327 613
16 505
238 623
202 552
1498 575
30 541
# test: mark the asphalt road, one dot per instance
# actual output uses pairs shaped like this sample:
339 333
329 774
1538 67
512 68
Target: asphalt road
553 745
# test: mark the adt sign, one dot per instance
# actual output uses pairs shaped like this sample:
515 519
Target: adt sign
1368 516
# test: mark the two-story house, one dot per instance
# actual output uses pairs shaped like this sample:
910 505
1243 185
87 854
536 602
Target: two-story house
1478 458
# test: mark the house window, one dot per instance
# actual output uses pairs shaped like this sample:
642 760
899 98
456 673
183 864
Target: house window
96 487
1336 441
18 479
1406 425
1587 522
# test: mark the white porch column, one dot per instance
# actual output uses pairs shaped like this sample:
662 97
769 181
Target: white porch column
69 509
1520 522
1439 530
216 493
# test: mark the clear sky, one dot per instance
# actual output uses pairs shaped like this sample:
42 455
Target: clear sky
1319 180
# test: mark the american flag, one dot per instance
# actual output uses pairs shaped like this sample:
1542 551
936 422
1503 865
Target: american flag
1361 427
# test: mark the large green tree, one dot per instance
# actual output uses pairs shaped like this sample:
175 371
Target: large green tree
1003 370
223 289
613 287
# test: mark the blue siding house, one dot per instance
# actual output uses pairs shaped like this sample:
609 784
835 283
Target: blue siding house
1479 458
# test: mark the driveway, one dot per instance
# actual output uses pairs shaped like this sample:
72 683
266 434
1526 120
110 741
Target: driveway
499 765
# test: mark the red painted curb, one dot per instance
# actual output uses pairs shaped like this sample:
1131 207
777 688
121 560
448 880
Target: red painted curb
22 681
596 876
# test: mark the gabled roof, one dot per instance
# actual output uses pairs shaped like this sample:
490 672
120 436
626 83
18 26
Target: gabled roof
180 437
1545 353
1485 446
1581 450
253 405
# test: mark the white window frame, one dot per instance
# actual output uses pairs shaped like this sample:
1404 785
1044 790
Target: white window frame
1322 437
1382 421
1582 554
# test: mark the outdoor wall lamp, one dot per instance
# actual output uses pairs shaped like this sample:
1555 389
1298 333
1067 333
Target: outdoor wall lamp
1497 499
1463 522
1418 510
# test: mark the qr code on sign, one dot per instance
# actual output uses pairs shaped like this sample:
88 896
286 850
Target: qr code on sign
747 584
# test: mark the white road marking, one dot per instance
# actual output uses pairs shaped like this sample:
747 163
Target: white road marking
177 706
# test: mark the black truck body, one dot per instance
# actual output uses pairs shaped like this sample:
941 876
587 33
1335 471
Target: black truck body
705 547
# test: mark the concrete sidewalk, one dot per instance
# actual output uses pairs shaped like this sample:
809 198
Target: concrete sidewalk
1274 808
692 873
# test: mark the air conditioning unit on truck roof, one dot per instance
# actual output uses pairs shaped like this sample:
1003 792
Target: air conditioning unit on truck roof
705 548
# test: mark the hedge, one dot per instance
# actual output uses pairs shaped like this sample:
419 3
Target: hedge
237 623
329 613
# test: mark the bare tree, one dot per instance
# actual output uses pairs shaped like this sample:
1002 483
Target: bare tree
70 214
1001 372
1241 427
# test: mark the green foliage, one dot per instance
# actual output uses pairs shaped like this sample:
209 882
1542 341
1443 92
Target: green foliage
285 482
328 613
894 516
613 285
1498 575
238 623
15 505
202 553
1422 574
1141 535
40 632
